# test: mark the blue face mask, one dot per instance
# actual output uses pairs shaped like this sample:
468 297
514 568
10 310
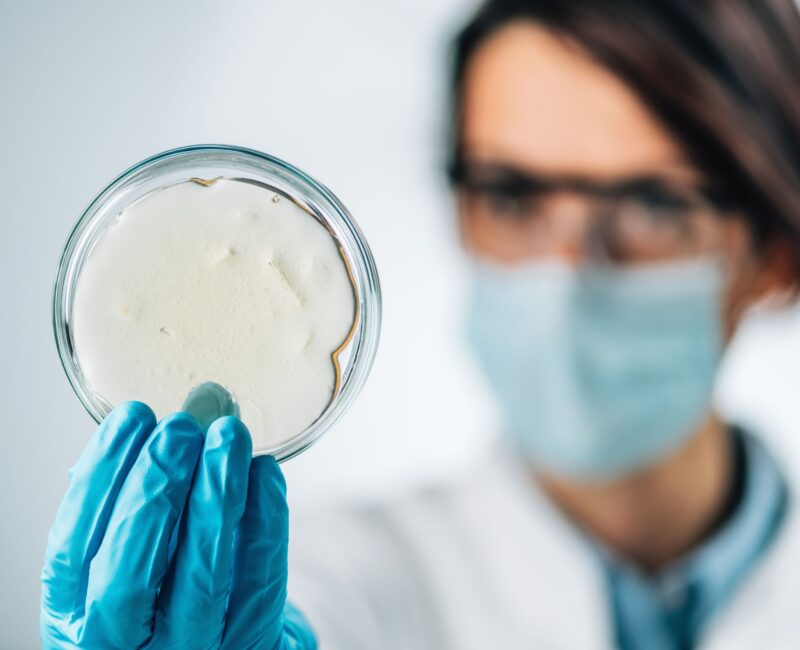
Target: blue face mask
599 372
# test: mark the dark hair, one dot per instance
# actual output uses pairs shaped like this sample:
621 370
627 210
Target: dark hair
722 75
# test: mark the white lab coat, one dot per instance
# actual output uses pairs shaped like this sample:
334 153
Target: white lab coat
489 563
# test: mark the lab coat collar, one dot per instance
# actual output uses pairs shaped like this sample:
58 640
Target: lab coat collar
564 578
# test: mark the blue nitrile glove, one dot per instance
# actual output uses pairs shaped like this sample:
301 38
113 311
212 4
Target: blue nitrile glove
170 538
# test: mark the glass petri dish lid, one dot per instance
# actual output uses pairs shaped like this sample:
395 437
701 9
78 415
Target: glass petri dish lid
220 266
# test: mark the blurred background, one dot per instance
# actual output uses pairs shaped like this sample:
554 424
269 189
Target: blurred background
354 92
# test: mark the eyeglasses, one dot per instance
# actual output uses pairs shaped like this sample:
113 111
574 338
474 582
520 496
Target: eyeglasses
640 220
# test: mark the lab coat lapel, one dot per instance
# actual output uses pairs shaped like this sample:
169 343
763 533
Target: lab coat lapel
551 582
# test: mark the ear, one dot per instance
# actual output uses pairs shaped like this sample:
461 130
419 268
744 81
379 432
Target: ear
777 281
768 278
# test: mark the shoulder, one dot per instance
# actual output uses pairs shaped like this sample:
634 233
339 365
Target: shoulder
490 492
490 525
384 565
425 563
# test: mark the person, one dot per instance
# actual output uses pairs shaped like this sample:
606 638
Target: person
627 181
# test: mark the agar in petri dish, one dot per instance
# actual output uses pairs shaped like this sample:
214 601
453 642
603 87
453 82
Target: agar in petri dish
241 282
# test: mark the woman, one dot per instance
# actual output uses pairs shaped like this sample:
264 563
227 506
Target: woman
627 183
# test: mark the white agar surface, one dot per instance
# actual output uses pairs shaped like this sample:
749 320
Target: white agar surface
223 283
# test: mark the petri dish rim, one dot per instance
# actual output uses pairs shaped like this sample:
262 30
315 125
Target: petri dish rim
204 161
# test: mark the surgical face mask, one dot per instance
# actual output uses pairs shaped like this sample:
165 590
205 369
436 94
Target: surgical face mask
599 371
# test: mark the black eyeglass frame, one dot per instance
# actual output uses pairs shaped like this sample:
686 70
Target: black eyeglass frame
511 181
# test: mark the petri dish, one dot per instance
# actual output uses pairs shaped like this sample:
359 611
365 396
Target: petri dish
204 175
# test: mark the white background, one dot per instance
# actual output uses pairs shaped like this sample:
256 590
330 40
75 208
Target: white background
351 91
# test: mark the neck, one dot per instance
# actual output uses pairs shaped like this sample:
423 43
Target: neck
654 516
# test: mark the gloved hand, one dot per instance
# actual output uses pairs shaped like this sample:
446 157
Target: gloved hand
170 538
